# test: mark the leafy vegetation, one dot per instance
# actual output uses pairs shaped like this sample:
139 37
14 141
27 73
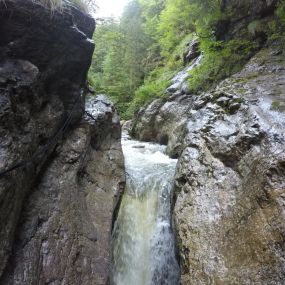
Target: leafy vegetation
137 55
121 61
220 60
276 28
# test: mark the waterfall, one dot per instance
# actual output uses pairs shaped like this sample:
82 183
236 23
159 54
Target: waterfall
143 242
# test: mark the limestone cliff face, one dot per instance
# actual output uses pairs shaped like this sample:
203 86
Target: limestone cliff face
230 181
228 207
55 208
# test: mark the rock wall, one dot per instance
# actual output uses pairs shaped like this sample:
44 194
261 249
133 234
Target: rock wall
56 208
64 230
228 207
230 180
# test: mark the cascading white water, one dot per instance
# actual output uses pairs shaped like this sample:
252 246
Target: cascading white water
143 243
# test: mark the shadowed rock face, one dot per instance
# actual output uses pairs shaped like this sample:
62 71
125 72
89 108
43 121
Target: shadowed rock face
245 12
64 230
230 180
56 210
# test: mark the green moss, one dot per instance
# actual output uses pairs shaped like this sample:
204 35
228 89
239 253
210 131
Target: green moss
252 75
241 90
276 28
238 100
254 27
278 106
241 80
245 79
145 94
220 60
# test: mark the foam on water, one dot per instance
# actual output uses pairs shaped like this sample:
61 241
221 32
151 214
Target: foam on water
143 242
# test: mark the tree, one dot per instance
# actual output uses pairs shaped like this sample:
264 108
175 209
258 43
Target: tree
136 56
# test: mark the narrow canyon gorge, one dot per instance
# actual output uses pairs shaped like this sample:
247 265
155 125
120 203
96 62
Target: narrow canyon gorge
190 191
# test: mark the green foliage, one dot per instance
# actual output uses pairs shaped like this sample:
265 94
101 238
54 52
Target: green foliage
175 23
120 62
145 94
179 22
255 27
137 56
276 27
175 60
280 13
220 60
151 10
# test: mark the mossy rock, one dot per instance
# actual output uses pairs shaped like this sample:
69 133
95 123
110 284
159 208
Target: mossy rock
255 27
278 106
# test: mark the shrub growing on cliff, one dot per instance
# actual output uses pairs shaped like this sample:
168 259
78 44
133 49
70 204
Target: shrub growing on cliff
276 28
83 5
145 94
221 60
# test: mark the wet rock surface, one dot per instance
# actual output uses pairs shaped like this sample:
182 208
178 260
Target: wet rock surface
63 235
163 120
246 13
37 91
230 180
56 208
192 52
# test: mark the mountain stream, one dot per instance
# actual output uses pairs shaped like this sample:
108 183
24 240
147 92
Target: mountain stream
143 242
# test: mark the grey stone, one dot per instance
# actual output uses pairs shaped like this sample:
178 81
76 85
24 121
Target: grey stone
56 212
230 178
